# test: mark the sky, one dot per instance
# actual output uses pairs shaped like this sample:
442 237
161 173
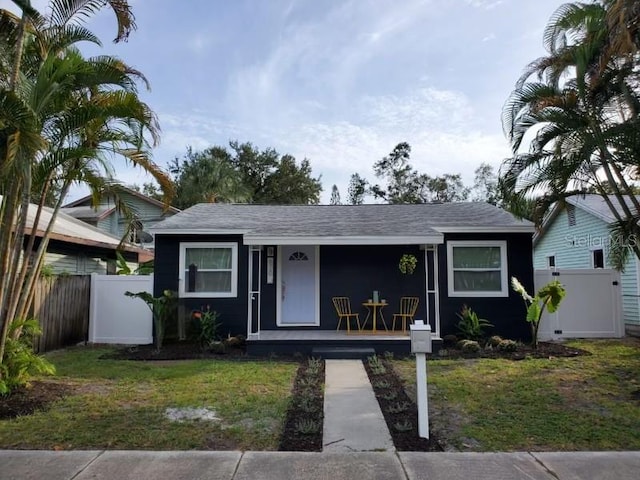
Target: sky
339 82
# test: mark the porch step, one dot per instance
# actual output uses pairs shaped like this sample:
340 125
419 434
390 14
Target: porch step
342 352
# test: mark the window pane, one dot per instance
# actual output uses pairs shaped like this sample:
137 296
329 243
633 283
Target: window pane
211 282
476 257
477 281
208 258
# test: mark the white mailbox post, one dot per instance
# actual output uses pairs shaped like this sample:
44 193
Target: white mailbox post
420 346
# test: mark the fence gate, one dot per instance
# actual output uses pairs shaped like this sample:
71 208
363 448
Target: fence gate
115 318
591 309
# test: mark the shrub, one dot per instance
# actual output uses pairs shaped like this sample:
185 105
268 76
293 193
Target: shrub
470 325
495 340
236 341
450 339
20 362
470 346
216 347
507 346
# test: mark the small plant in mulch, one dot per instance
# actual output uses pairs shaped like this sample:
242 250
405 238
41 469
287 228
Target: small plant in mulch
307 426
376 367
400 412
302 429
403 426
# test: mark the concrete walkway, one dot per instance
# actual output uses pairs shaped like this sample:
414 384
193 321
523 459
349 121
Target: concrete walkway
353 421
137 465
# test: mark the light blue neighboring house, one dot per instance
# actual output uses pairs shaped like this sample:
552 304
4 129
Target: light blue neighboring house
577 235
107 217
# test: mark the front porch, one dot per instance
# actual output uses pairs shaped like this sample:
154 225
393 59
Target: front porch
328 343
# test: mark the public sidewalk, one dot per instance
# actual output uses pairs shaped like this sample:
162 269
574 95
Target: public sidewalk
139 465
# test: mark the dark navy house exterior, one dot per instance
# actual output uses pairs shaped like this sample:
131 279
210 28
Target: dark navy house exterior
271 271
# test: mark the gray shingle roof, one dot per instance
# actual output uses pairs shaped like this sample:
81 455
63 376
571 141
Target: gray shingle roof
70 229
424 220
88 213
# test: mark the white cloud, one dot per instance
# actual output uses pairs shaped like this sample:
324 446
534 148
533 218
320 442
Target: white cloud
485 4
438 124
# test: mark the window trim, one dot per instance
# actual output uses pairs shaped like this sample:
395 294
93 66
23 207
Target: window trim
182 281
504 268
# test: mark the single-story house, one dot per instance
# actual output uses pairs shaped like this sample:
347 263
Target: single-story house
76 248
108 218
271 271
577 235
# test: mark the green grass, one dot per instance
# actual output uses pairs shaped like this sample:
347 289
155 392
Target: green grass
121 405
582 403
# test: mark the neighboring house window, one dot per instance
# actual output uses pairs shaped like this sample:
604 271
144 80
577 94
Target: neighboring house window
571 215
134 231
551 261
597 258
208 269
477 268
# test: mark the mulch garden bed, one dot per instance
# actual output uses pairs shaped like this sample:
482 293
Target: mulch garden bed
303 426
544 350
400 412
32 398
174 351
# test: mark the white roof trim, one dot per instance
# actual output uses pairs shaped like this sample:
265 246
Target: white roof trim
352 240
505 229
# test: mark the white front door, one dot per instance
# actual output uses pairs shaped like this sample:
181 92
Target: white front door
298 286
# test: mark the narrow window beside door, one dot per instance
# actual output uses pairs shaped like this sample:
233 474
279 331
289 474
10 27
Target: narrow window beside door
598 258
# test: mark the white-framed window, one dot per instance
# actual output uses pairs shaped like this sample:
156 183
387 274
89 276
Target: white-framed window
551 261
477 268
208 269
597 258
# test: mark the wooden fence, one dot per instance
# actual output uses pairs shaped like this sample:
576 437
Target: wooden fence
61 305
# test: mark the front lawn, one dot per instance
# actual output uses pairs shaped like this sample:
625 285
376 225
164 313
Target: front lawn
589 402
119 404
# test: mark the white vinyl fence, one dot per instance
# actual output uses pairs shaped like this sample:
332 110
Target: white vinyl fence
591 309
115 318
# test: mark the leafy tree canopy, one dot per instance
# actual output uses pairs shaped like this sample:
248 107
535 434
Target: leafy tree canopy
243 173
404 184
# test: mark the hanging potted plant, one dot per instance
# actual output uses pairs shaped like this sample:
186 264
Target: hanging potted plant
407 263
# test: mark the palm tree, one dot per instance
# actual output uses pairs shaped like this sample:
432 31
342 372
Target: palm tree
62 118
208 177
579 116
